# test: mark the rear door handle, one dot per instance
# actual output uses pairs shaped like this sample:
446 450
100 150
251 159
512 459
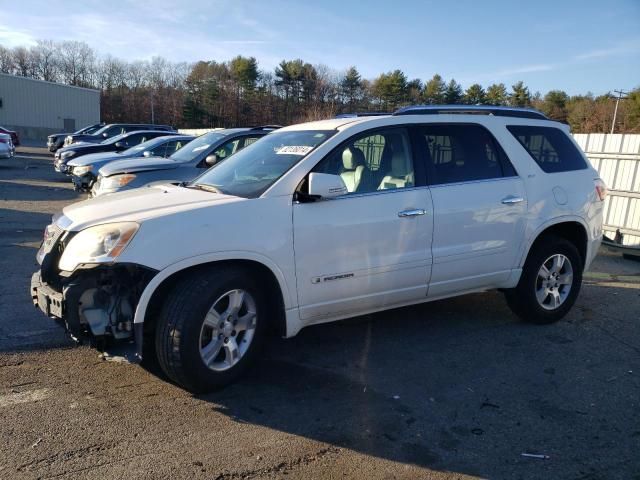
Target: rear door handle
511 200
412 213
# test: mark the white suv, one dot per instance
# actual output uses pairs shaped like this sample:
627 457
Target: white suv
327 220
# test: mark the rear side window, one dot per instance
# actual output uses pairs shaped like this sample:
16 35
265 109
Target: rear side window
550 147
463 153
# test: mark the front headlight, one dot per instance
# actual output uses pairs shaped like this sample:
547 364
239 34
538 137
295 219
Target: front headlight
82 170
68 154
99 244
116 181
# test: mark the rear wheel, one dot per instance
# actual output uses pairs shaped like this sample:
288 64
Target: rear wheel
210 328
550 282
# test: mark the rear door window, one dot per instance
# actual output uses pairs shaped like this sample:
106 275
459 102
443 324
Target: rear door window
550 147
462 153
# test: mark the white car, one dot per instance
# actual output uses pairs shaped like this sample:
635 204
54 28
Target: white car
327 220
7 149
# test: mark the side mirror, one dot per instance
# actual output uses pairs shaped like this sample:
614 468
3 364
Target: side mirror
120 145
211 160
105 135
147 154
325 186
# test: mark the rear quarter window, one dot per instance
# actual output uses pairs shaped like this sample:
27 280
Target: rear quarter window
550 147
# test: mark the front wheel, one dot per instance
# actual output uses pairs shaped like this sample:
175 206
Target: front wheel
210 328
550 282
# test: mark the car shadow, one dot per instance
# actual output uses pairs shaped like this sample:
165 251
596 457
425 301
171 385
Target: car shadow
23 191
458 385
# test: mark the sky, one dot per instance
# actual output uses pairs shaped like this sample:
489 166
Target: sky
576 46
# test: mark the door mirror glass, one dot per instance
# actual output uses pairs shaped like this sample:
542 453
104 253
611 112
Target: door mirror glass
211 160
326 186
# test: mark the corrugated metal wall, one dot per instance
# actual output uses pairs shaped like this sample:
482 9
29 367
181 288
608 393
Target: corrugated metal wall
617 159
34 106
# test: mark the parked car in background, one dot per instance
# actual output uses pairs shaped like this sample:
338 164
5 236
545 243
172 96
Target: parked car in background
112 130
184 165
84 170
13 134
115 144
56 140
7 149
323 221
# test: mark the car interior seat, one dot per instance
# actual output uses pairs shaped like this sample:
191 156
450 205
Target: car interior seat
400 173
353 165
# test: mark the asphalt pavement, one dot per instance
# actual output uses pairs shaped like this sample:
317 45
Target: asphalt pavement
453 389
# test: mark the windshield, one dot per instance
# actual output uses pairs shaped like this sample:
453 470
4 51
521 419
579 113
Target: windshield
88 130
252 170
196 147
112 140
148 145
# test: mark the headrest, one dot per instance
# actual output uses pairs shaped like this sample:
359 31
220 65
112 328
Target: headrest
352 157
399 167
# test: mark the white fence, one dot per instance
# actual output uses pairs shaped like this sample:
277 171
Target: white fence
617 159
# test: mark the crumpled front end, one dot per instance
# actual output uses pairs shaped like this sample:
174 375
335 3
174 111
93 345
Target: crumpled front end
94 302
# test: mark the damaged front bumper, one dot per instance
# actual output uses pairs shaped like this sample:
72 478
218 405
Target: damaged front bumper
96 304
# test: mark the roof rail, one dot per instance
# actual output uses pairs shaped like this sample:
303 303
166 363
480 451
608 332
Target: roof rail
471 110
361 114
266 127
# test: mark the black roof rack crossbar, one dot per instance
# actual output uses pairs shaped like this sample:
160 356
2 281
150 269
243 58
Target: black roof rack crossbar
472 109
267 127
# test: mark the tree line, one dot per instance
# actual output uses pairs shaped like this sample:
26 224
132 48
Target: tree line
238 92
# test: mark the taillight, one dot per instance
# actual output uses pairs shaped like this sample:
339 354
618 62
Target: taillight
601 189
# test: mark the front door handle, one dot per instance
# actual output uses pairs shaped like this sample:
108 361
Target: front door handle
412 213
511 200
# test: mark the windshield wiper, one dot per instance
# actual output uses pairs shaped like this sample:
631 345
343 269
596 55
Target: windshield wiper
202 186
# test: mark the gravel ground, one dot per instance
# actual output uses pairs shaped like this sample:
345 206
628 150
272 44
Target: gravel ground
452 389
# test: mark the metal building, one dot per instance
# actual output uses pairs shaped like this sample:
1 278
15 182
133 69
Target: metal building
35 108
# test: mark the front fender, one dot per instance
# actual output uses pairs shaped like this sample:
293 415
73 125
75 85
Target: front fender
165 273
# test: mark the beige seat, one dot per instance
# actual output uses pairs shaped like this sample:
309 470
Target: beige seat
400 175
352 167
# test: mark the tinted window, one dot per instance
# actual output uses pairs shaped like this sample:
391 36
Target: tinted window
463 153
227 149
550 147
372 162
135 139
249 140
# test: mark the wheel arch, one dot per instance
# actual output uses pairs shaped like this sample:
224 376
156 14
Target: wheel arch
269 276
572 228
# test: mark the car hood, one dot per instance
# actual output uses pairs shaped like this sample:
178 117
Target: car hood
137 165
138 205
93 158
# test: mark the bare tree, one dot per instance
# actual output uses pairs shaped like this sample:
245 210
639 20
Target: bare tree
44 57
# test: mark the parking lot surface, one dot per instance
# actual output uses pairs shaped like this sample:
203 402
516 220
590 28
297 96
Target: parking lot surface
452 389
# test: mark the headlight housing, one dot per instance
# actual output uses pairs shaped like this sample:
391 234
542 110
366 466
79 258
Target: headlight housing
116 181
82 170
68 154
99 244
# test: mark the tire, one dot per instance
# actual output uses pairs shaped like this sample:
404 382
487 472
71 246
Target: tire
182 333
524 299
